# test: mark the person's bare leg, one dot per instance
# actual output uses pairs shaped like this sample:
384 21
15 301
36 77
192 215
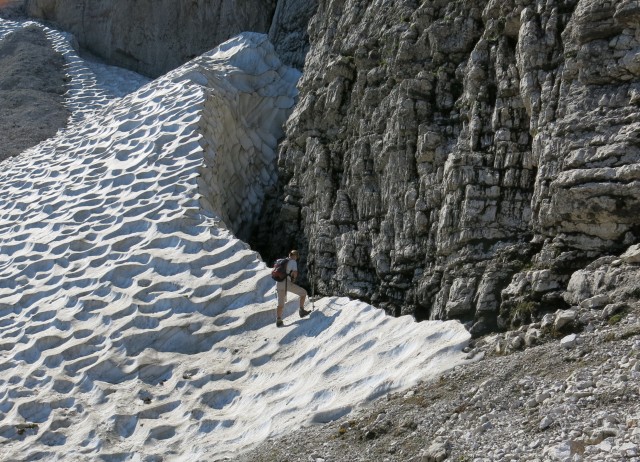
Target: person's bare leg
282 297
302 312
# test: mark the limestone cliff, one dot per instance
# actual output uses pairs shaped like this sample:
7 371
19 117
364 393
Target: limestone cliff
288 30
462 159
153 36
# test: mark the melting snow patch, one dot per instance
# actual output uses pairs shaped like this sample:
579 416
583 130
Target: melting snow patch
133 324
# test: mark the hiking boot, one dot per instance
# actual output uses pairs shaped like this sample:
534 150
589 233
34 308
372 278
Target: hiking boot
279 322
302 312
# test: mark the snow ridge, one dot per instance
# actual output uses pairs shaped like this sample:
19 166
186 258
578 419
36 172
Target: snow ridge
133 324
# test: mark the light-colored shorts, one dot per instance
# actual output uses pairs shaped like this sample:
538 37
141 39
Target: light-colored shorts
290 287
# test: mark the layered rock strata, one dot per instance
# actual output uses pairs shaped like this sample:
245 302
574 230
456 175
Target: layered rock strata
288 30
153 37
461 159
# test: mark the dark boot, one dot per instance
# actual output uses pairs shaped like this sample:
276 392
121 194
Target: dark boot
302 312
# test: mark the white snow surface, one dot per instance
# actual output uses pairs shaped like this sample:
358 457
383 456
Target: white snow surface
134 326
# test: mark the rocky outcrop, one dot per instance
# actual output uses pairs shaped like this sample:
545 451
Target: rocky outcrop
288 30
153 37
461 159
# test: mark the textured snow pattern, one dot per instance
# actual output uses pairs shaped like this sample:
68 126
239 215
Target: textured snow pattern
134 326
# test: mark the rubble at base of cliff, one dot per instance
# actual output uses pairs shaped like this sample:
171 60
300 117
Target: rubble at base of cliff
573 396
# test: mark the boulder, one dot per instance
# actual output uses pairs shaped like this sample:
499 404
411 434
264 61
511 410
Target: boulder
569 341
613 309
438 451
632 254
595 302
564 318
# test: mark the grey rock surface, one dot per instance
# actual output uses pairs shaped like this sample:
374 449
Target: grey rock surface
32 84
288 30
153 36
461 159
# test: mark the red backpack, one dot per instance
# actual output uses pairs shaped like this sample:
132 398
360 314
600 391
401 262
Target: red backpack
279 272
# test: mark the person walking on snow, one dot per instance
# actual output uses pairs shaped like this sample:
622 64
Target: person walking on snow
289 285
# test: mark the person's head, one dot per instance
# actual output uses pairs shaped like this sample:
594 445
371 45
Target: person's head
294 254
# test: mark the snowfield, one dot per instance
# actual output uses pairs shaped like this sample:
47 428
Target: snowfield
134 325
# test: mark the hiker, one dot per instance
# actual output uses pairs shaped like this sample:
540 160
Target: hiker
289 285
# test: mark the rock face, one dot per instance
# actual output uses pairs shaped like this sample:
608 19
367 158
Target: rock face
461 159
32 85
288 30
153 36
